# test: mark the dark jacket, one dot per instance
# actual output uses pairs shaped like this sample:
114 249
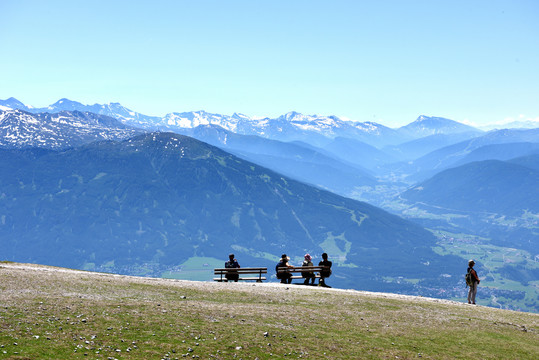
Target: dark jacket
232 264
328 264
282 275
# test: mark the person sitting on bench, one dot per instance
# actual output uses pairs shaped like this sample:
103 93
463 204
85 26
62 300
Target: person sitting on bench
232 263
285 276
308 275
326 273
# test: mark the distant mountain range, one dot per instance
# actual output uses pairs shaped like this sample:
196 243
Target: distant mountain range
162 198
526 124
325 151
20 129
315 152
333 154
293 126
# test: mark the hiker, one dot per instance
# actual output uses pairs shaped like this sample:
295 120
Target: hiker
231 264
473 285
308 275
285 276
325 273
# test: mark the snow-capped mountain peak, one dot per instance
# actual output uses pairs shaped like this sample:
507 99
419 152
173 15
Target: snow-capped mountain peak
430 125
240 116
13 104
65 104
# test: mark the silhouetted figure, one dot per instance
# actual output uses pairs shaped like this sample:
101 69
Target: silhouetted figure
230 264
473 286
285 276
325 273
308 275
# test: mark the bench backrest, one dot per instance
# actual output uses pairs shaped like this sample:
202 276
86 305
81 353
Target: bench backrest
302 269
258 270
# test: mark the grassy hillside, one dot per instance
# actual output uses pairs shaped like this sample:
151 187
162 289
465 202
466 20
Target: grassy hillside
64 314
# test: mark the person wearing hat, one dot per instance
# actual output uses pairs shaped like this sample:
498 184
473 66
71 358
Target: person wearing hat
285 276
308 275
473 287
231 264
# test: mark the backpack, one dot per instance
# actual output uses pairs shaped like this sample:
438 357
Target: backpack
469 278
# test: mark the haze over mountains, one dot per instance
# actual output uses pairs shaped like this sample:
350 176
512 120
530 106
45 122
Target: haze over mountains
141 201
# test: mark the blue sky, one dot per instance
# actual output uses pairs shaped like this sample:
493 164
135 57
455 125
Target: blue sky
382 61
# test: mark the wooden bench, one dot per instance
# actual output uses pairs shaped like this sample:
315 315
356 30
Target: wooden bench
301 269
242 272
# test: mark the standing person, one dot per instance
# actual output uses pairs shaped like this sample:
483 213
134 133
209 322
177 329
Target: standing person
307 275
475 281
325 273
285 276
232 264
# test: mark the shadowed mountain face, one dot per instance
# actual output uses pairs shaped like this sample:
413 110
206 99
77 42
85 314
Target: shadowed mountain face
489 186
530 161
357 152
419 147
163 198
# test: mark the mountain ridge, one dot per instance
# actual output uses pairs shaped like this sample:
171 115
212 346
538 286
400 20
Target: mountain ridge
19 128
287 127
487 186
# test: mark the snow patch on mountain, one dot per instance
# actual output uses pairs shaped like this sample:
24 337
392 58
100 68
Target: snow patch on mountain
20 129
